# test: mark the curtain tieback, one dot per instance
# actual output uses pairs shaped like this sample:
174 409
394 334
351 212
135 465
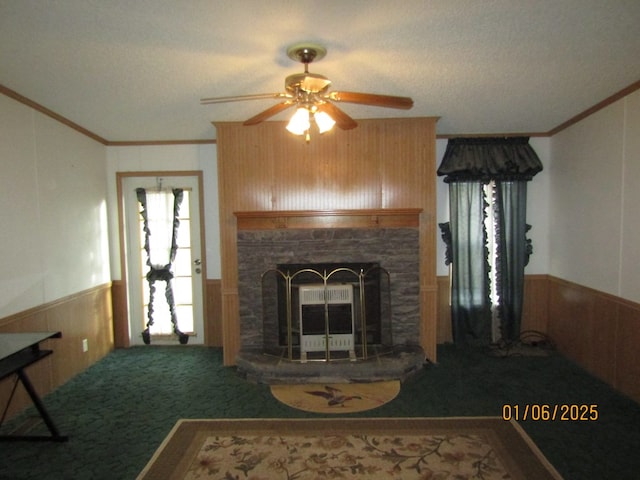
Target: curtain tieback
159 273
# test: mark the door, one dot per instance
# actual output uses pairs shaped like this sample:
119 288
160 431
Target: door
187 280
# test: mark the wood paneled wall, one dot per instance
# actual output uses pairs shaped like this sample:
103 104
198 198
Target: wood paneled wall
444 333
600 332
120 314
383 163
86 314
213 318
535 307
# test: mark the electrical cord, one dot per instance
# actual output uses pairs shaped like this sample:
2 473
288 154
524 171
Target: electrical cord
526 342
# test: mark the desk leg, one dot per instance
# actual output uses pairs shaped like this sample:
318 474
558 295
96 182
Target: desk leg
55 434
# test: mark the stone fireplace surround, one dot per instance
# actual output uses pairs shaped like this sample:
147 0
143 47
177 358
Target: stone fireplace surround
387 237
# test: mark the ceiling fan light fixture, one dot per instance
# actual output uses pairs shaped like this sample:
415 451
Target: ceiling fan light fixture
299 123
324 121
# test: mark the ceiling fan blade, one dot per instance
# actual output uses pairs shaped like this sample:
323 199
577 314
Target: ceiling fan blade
239 98
269 112
344 121
388 101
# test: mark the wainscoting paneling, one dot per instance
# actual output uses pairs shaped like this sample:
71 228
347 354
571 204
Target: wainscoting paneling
120 315
213 318
627 372
600 332
535 303
86 314
444 333
570 323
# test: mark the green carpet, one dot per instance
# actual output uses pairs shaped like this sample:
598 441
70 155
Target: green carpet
119 411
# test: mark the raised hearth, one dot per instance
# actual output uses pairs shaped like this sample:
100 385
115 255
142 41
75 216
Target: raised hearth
398 364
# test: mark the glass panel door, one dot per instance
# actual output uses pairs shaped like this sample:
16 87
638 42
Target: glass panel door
187 272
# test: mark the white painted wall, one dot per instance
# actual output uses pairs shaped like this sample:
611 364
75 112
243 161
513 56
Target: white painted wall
53 214
537 208
594 219
630 247
165 158
59 233
442 209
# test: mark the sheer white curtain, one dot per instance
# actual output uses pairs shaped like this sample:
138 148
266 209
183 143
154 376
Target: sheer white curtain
160 221
491 227
160 226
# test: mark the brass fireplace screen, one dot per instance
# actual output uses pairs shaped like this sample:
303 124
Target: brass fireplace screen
326 312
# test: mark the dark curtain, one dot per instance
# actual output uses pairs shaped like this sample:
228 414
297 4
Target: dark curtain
485 159
469 164
163 272
511 211
470 303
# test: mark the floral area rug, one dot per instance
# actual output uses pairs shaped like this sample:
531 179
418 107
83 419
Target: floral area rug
381 448
338 397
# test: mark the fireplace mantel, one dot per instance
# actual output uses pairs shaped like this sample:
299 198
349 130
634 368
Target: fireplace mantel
370 218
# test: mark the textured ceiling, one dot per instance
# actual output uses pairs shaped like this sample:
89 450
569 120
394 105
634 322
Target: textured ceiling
135 70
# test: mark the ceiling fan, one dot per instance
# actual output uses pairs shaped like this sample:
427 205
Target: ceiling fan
309 93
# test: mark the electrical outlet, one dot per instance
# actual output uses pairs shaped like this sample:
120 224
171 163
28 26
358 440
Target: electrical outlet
85 345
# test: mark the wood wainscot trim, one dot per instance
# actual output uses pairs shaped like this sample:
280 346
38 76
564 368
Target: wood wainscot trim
213 317
300 219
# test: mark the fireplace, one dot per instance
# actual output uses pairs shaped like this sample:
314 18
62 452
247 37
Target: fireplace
320 257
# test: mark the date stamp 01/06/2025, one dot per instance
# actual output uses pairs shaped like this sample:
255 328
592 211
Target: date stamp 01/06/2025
549 413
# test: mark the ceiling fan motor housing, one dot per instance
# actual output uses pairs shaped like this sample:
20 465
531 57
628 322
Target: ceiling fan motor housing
307 82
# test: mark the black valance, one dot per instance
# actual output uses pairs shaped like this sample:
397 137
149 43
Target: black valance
489 158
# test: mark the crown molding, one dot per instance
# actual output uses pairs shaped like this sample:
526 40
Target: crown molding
572 121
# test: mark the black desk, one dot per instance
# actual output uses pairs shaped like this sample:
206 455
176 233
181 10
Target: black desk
17 352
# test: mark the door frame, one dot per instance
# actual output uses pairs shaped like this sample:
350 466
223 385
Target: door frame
121 316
